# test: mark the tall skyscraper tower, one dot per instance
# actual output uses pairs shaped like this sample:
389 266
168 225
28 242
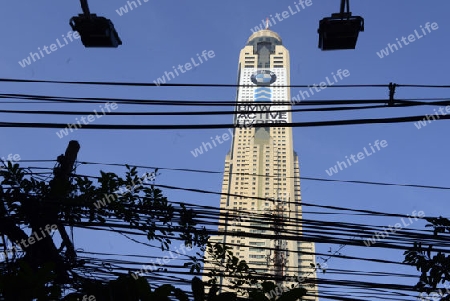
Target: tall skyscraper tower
262 164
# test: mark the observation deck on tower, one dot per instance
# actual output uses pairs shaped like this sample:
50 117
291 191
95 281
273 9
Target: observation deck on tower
264 35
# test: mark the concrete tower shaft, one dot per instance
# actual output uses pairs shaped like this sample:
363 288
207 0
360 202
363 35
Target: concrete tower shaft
263 169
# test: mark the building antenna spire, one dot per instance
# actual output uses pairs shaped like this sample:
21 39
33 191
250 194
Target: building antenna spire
267 23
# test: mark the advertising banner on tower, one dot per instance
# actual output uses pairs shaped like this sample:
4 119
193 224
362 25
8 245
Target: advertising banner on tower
260 95
261 114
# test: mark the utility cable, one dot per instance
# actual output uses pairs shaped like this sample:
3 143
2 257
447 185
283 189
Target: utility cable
35 125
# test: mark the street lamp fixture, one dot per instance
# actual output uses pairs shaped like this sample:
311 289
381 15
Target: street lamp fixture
94 31
340 31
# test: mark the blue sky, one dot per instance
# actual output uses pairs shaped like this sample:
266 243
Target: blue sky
160 34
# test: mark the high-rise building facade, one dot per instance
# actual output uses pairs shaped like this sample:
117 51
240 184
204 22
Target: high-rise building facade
263 169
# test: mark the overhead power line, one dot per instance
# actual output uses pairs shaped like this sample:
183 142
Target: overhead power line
170 102
107 83
248 174
218 126
186 113
257 175
314 102
207 113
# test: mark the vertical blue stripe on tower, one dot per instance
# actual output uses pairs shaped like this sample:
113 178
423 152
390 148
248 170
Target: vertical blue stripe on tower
263 94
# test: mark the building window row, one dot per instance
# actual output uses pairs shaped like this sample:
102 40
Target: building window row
257 262
256 256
